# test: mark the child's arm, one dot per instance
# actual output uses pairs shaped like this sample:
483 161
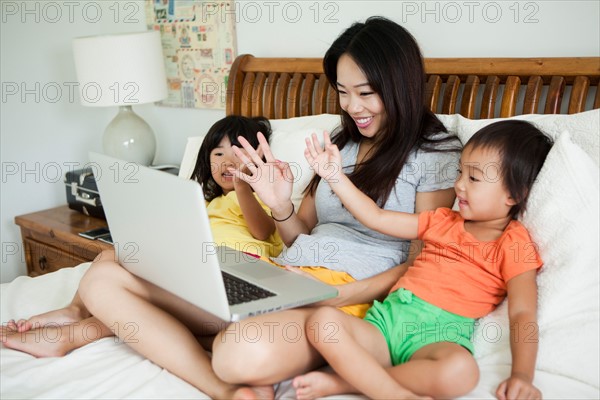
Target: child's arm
522 312
327 163
260 224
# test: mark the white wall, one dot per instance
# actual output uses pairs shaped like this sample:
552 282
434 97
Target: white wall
43 133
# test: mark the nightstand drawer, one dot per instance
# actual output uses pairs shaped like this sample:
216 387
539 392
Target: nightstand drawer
51 239
42 259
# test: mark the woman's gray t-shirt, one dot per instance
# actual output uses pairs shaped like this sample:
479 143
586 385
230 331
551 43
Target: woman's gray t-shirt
341 243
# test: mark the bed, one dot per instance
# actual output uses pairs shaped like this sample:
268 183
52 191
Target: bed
560 95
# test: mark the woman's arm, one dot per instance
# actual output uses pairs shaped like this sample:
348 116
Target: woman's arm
367 290
522 313
362 291
301 222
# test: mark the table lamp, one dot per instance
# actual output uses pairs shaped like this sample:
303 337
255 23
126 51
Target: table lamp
122 70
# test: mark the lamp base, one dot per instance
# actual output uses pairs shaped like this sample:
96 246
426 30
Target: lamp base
130 138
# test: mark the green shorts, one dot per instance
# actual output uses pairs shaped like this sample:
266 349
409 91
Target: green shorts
409 323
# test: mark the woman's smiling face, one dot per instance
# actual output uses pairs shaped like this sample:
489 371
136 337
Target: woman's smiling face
358 99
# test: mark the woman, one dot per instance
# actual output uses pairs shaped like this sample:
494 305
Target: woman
390 143
393 151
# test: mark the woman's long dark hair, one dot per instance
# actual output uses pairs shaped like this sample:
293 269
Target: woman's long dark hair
231 126
391 60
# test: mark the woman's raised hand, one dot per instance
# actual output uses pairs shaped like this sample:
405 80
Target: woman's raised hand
272 180
327 161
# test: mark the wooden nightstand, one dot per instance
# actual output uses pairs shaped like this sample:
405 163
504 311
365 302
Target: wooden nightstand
51 240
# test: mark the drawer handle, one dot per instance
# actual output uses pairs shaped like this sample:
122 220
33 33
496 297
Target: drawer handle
43 262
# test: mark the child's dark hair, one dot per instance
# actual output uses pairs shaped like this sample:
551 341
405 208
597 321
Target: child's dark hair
231 127
522 149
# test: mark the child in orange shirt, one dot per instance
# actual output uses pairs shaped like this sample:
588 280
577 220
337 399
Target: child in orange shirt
418 341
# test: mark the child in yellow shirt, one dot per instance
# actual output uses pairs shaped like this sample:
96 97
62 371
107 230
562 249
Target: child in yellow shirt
238 220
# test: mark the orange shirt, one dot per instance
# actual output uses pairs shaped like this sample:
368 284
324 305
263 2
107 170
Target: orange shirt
461 274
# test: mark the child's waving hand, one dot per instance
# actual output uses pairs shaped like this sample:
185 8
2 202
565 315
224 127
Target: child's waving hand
271 180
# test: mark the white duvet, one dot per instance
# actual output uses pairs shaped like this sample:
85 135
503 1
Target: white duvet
110 369
562 218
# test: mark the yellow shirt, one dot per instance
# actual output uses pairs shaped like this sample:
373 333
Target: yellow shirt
229 227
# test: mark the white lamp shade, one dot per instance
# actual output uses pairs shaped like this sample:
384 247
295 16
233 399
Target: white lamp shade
124 69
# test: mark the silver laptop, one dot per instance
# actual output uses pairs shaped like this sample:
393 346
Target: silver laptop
161 233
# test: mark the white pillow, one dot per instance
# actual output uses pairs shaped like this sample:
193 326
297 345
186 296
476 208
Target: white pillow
563 219
188 162
584 127
287 144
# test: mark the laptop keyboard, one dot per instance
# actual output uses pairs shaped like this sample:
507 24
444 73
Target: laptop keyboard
239 291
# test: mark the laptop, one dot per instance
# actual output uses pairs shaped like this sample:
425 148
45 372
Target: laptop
161 233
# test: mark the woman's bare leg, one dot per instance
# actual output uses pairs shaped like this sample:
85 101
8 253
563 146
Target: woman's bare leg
56 332
158 325
75 311
266 349
55 340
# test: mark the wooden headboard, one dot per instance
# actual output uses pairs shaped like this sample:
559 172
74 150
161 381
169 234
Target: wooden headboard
473 87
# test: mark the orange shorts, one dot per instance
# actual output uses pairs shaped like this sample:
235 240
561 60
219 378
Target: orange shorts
332 278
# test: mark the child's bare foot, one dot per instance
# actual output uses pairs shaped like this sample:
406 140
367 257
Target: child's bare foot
319 384
49 341
254 393
63 316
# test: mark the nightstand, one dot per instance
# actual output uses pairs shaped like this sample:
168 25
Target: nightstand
51 240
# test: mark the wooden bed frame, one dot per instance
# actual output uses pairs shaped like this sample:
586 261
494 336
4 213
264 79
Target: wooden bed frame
474 87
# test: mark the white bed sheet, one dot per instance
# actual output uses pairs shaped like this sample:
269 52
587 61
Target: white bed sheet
110 369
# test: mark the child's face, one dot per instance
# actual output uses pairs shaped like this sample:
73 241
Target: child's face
358 99
480 188
222 157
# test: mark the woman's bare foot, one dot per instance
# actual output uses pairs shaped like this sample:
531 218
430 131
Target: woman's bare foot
49 334
49 341
63 316
254 393
52 339
319 384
